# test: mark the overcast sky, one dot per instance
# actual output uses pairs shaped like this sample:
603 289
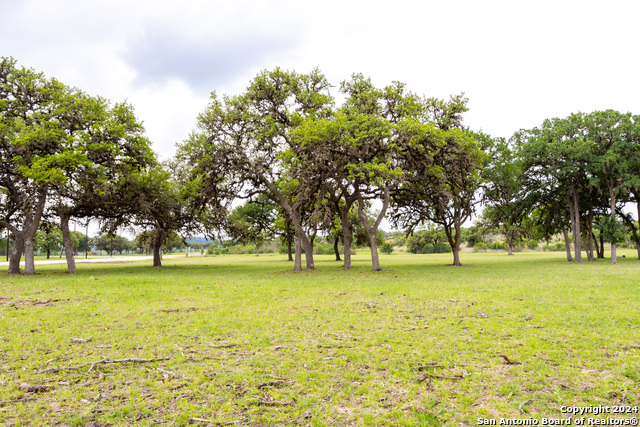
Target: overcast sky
518 62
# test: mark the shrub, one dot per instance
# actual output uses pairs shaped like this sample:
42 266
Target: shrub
498 246
387 248
480 247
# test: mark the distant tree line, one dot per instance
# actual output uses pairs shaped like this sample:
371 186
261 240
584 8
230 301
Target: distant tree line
304 166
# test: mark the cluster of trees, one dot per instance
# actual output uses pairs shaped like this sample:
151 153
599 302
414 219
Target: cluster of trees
572 175
285 141
305 165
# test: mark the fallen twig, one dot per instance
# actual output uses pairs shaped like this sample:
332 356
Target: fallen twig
22 398
271 384
223 345
333 346
508 361
103 361
175 310
173 374
264 402
202 420
440 377
228 423
79 340
429 365
35 388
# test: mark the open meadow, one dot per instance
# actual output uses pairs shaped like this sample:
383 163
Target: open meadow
243 340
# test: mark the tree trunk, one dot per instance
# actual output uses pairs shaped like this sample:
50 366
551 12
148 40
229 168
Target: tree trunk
308 249
297 266
375 259
29 259
574 207
257 250
612 195
336 241
454 242
66 242
588 237
602 245
347 238
456 257
16 253
372 231
596 246
510 247
637 208
31 226
157 246
48 253
567 244
289 256
295 219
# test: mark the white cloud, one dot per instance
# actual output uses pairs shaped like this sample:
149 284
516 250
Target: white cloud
518 62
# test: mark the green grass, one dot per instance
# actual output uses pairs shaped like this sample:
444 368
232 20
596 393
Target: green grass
248 339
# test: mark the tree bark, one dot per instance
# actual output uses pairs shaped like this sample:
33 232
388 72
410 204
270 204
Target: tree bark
48 253
637 208
29 258
372 231
567 244
347 238
574 208
16 253
297 266
336 241
612 195
588 237
295 219
66 242
157 246
31 226
454 242
289 255
596 246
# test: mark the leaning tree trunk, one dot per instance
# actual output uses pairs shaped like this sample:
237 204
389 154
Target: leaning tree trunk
301 239
297 266
567 244
595 245
375 259
31 226
66 241
295 219
15 254
336 241
372 231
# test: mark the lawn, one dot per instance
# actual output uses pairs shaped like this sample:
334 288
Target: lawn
243 340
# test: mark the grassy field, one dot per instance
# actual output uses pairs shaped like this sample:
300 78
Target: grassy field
242 340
